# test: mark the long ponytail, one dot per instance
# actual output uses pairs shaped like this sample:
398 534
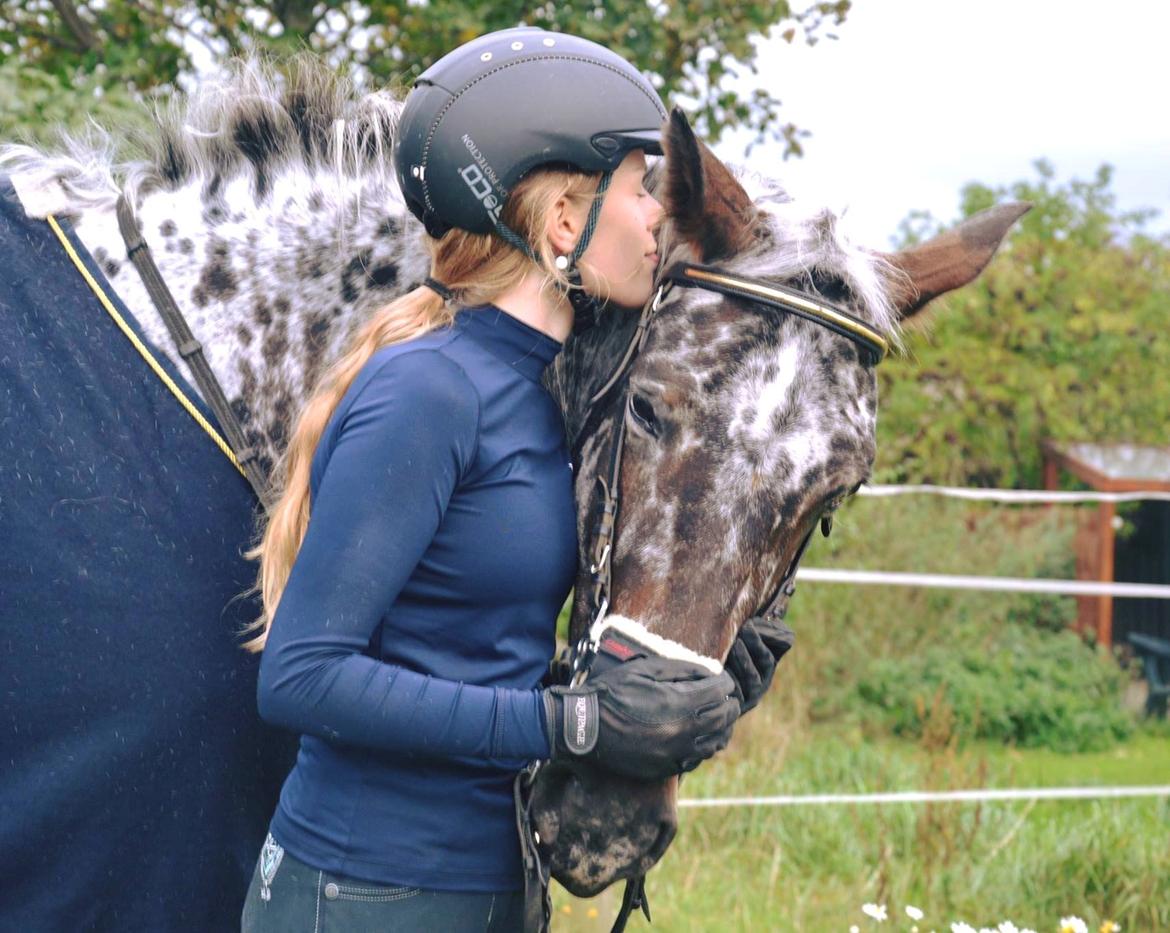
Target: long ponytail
477 268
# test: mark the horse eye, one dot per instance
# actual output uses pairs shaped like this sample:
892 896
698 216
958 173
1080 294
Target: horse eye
643 413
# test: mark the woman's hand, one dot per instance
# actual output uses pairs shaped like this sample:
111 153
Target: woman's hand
649 719
760 645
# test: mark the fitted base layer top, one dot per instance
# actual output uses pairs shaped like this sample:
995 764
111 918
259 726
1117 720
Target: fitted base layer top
420 613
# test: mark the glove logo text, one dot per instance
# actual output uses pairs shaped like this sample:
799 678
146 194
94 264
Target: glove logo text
580 709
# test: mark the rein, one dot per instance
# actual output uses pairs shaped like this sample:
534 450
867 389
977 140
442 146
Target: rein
191 350
585 652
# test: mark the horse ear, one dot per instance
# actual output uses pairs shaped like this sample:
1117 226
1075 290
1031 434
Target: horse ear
707 206
951 259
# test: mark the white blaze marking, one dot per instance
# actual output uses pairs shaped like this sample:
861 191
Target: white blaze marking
774 395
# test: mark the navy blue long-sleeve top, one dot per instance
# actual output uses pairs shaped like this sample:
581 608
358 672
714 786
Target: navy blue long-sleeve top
419 615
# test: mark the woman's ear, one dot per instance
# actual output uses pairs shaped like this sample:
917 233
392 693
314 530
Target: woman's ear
565 223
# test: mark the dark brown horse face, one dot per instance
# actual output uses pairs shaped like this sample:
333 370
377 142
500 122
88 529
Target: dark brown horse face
745 426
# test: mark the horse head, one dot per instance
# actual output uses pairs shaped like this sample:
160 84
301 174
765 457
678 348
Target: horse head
745 427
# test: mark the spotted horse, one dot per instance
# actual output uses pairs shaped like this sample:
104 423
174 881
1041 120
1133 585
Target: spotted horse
271 210
745 420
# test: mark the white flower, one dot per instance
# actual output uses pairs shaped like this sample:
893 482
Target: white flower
876 911
961 927
855 929
1073 925
913 912
1007 927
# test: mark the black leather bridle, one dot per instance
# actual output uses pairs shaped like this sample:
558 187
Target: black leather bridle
873 346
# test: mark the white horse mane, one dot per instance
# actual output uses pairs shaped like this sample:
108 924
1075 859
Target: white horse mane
253 119
806 241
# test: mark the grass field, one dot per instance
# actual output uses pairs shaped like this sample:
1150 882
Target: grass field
755 868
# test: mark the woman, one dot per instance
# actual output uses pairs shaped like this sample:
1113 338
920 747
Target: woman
413 616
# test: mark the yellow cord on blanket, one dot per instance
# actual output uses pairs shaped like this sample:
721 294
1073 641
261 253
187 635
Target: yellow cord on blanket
139 345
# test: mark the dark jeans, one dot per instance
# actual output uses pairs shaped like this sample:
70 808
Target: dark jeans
288 896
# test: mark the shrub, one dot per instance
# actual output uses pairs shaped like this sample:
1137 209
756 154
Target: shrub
1058 339
1029 687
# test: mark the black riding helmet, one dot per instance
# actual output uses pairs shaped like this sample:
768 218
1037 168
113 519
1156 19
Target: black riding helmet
487 113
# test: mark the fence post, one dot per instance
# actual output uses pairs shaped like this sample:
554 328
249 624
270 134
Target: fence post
1105 541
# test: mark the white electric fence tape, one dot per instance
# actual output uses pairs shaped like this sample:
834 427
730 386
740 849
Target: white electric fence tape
997 584
944 796
1001 584
1013 496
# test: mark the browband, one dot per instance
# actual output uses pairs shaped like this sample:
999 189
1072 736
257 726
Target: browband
841 322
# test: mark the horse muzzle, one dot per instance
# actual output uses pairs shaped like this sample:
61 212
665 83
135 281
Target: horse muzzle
595 827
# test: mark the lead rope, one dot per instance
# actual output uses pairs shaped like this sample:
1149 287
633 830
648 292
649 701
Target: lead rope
191 350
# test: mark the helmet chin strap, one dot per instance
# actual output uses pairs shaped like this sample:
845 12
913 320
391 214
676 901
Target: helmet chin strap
586 307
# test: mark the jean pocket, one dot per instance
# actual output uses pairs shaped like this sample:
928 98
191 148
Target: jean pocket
270 858
338 888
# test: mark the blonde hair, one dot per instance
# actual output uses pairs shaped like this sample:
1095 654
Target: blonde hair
477 268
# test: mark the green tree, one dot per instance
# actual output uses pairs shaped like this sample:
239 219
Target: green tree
1060 338
125 48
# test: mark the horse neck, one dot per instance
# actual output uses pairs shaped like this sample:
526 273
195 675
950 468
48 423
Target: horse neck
271 287
586 363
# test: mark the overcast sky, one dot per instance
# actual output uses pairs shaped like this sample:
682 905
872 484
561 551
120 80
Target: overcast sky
918 97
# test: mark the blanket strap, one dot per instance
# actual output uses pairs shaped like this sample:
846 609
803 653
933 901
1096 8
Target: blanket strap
138 345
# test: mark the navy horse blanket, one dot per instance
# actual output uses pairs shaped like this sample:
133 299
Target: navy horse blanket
136 780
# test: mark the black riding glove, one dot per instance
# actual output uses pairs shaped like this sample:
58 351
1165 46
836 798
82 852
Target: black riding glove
762 642
649 719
